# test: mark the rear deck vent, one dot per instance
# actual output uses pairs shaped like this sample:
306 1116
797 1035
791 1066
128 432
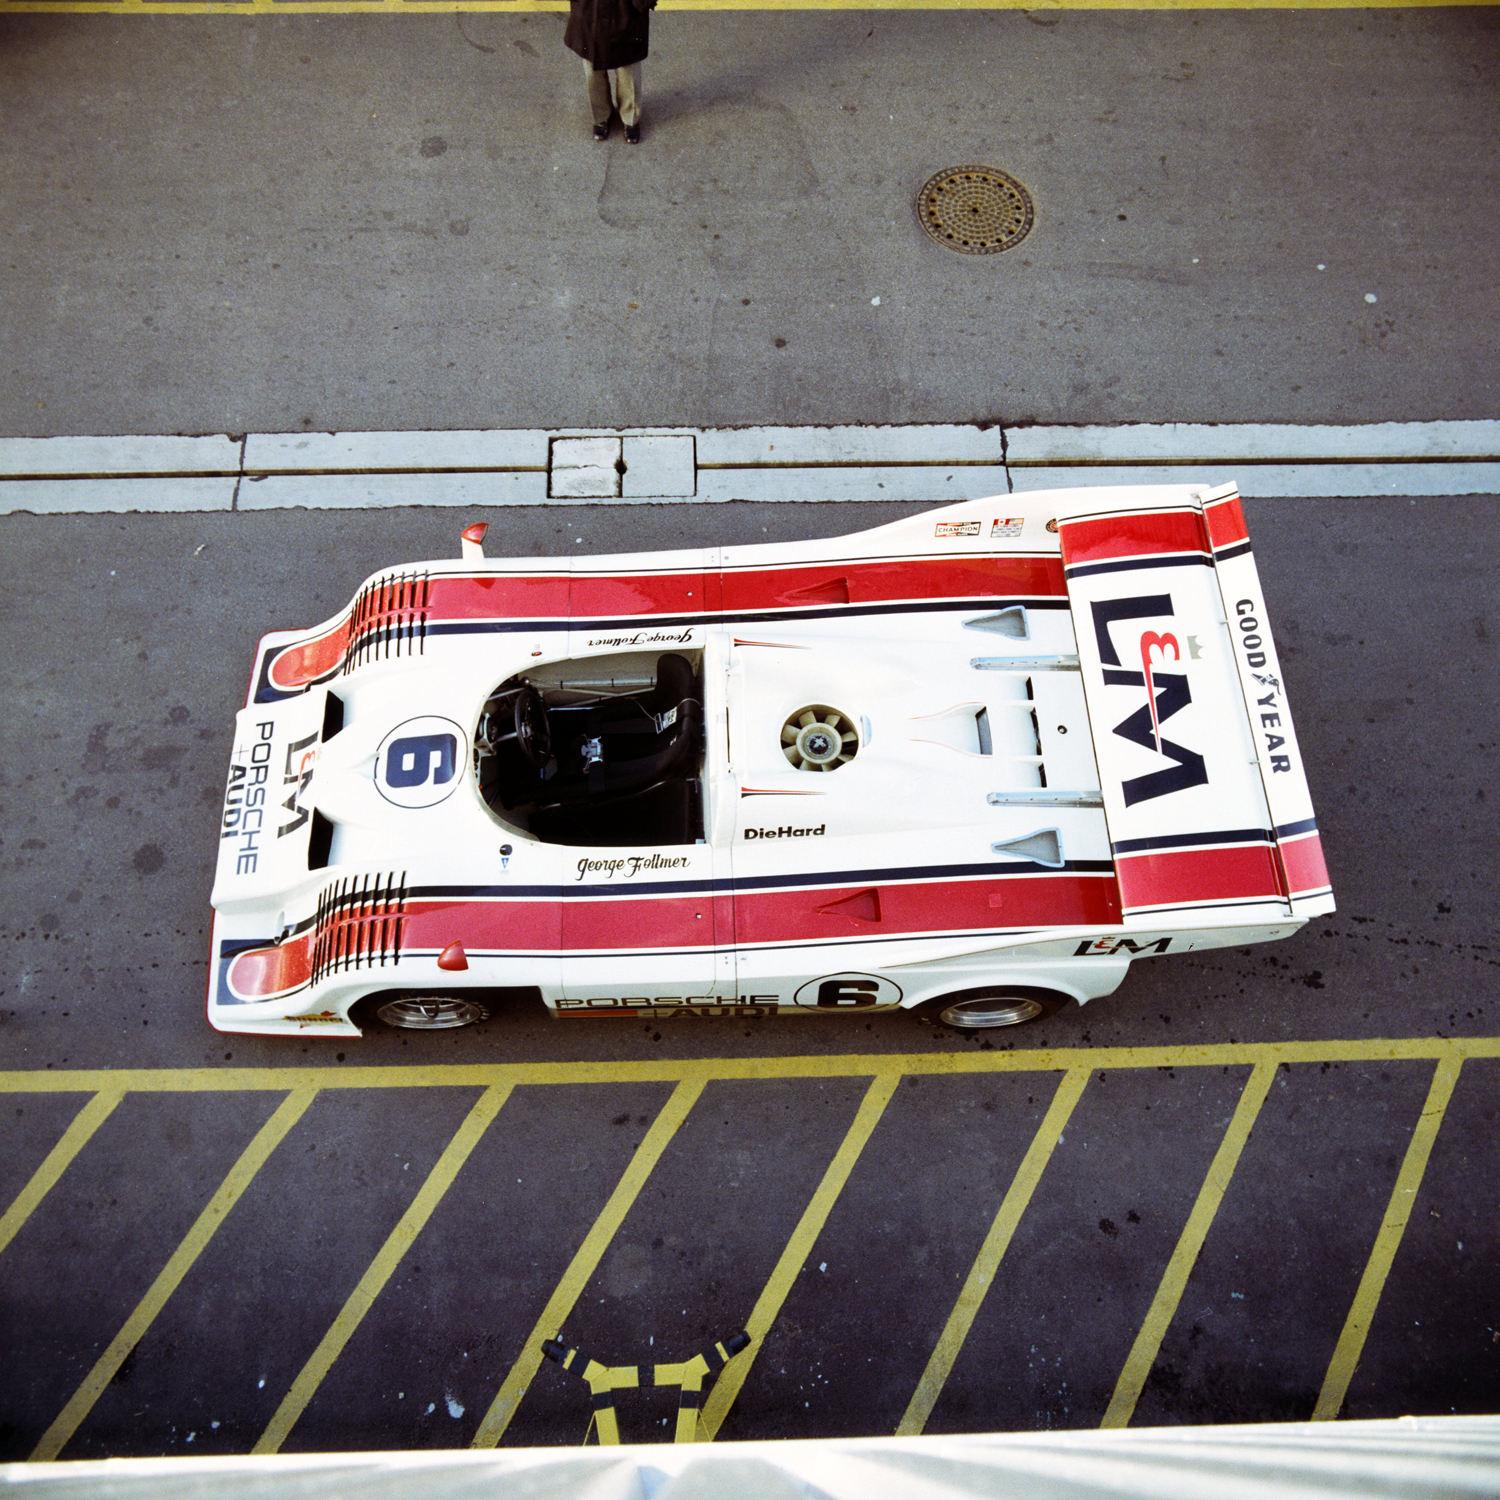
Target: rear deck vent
1044 847
1010 622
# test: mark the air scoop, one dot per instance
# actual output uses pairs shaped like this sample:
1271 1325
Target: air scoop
819 738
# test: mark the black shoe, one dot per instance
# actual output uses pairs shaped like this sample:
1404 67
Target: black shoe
633 134
601 132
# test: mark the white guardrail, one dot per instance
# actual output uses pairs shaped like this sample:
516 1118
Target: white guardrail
1407 1458
929 464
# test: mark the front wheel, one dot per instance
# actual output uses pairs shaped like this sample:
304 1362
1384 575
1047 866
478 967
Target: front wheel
1013 1005
431 1012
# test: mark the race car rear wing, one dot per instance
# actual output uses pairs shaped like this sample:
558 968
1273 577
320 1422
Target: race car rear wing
1204 790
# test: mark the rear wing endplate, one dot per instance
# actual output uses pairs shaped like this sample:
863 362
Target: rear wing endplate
1204 789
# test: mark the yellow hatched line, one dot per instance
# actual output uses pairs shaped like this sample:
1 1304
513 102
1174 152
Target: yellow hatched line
482 1075
1397 1214
398 1242
88 1119
241 1174
585 1262
1163 1309
798 1248
996 1242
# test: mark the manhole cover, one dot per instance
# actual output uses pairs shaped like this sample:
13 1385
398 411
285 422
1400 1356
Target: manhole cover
975 210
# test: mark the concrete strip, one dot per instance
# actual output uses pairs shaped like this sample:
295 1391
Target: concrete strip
94 456
585 452
375 491
1280 481
56 497
597 482
1253 441
301 452
935 483
658 467
928 444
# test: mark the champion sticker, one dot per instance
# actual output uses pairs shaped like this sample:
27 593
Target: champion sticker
957 528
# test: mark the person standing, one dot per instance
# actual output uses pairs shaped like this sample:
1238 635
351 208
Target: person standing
611 36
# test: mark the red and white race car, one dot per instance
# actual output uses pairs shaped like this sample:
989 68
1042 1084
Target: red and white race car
972 759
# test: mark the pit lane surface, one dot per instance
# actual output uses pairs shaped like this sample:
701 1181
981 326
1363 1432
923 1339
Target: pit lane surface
923 1230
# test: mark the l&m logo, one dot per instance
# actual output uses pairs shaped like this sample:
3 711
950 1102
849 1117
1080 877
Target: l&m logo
1166 693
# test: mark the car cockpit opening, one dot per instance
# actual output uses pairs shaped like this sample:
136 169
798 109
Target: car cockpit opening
599 750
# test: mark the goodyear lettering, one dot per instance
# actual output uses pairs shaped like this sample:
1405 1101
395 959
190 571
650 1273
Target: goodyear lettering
786 832
1271 719
1249 627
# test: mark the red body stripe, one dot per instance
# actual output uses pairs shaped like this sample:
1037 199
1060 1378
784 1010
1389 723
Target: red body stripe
880 582
526 926
1171 877
499 596
932 906
1132 536
1302 859
1226 522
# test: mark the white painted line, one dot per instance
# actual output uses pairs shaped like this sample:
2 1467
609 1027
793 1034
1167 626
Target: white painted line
1281 481
935 485
304 452
54 497
90 456
377 491
922 444
1273 442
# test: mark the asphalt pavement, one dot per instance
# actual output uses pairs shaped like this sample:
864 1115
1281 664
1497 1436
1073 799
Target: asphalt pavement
1252 1185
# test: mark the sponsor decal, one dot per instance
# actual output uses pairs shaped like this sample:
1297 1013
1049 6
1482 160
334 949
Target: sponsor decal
669 1004
301 756
323 1018
418 762
629 866
1269 713
646 638
245 798
1167 693
847 992
1108 947
1007 526
786 832
957 528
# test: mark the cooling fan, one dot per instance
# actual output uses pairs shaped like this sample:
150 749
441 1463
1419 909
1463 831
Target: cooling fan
819 738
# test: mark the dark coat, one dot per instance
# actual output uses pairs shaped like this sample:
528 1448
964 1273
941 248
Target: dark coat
609 33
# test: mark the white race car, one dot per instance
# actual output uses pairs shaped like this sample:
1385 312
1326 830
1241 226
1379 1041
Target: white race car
974 760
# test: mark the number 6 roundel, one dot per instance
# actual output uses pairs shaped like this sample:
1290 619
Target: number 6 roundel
418 763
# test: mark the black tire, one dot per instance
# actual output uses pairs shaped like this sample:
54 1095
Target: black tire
998 1005
431 1012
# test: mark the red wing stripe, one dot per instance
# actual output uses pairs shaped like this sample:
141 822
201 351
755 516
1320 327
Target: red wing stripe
1302 859
1143 535
1175 877
1226 522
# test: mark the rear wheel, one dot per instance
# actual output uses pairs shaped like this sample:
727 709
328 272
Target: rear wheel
1011 1005
431 1012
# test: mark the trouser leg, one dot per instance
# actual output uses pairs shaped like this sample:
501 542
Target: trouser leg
628 93
600 104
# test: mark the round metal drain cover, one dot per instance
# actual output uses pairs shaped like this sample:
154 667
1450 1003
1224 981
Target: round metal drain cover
975 210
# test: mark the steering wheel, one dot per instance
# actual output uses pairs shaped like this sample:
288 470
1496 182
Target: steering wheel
533 728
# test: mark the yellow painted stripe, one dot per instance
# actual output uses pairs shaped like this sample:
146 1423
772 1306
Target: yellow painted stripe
398 1242
585 1262
996 1242
1163 1308
88 1119
1398 1212
447 7
241 1174
797 1250
482 1075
